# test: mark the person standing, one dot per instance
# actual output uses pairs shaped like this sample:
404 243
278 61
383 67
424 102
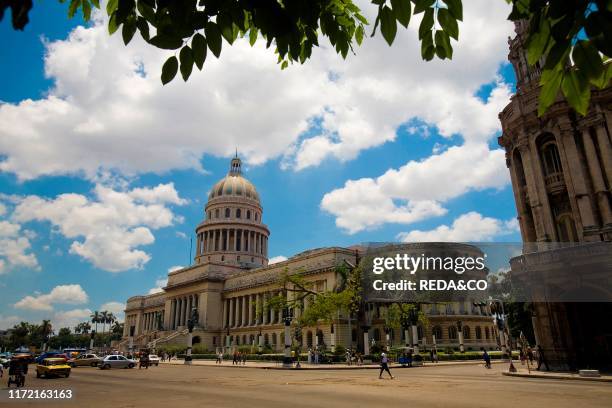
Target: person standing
1 370
309 355
384 365
244 358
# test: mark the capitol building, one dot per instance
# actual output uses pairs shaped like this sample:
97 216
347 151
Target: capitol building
231 280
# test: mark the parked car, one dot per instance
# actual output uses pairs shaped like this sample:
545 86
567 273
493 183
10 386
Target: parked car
85 360
116 361
50 354
53 367
153 360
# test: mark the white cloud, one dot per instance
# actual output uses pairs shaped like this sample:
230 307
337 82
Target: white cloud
469 227
277 259
108 111
109 229
116 308
163 280
61 294
416 191
15 246
70 318
7 322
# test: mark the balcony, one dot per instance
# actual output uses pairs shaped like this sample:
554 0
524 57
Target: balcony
555 182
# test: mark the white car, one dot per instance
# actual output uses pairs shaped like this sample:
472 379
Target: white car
153 359
116 361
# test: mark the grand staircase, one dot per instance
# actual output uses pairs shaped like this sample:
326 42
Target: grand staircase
152 344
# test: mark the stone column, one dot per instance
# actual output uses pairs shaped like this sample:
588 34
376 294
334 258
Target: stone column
244 311
265 313
250 312
224 321
227 239
538 177
605 148
231 312
599 185
257 307
534 198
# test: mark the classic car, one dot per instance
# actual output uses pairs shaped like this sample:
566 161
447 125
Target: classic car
85 360
50 367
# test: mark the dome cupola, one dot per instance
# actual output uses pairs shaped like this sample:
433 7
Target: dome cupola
233 231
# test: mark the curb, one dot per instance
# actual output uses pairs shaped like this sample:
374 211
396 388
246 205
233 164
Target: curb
557 377
328 368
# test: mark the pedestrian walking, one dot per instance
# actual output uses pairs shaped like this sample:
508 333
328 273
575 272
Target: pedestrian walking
431 355
244 358
384 365
486 357
219 358
316 356
235 359
542 359
309 356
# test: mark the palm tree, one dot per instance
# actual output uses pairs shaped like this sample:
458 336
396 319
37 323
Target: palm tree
86 327
103 320
45 330
95 318
110 319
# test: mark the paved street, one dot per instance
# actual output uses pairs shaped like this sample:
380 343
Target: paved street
176 386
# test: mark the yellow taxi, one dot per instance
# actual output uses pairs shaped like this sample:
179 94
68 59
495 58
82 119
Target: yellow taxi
53 367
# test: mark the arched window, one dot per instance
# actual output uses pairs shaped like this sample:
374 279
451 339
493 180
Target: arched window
550 158
319 337
309 339
420 332
244 339
237 340
266 339
256 216
209 215
274 338
217 213
248 214
354 335
467 333
196 340
437 331
452 332
238 213
227 213
478 331
566 228
487 333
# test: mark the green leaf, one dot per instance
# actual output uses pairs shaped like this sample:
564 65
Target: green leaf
74 6
198 46
253 33
143 27
557 55
146 11
422 5
455 7
96 3
169 70
213 38
550 82
112 23
537 42
587 59
86 10
576 89
448 23
443 47
402 10
128 30
284 65
111 6
186 59
605 78
359 33
388 25
426 24
166 42
427 46
224 22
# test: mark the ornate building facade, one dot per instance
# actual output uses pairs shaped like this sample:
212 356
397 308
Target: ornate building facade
230 281
561 170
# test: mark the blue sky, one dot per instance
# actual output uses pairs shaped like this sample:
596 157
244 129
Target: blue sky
291 177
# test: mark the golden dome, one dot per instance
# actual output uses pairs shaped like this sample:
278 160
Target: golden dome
234 184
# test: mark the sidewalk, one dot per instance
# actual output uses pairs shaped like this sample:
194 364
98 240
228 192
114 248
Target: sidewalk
274 365
523 372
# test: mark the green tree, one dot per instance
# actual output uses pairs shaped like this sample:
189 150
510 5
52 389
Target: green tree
46 329
572 38
95 319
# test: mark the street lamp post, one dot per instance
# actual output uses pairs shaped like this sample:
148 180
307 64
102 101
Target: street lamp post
287 317
190 325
